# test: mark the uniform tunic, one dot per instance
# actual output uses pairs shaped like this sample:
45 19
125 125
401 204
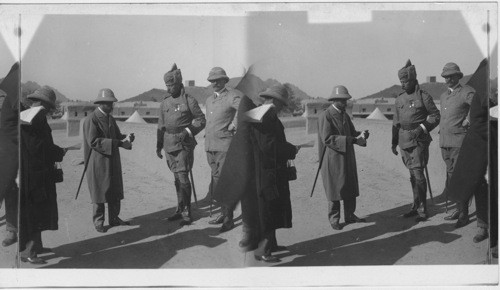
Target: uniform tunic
338 171
412 110
104 172
177 114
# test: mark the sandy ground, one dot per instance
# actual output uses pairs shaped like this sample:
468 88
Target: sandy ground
152 242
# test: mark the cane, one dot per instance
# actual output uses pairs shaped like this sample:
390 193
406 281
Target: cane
319 167
83 174
192 183
429 183
211 195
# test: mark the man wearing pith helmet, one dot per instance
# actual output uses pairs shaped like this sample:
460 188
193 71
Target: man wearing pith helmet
222 107
414 118
455 107
337 137
102 139
180 119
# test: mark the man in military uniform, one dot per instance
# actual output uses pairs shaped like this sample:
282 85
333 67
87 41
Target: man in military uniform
415 116
455 120
180 119
222 109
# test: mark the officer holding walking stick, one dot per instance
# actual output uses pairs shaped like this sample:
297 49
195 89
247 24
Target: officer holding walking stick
180 119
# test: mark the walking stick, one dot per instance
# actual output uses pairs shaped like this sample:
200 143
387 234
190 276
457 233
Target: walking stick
192 183
211 195
429 183
83 174
319 167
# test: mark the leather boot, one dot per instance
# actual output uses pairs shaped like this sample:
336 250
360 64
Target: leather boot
421 188
186 200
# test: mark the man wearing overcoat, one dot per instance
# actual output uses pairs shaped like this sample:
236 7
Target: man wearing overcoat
340 178
222 109
180 119
455 120
102 139
415 117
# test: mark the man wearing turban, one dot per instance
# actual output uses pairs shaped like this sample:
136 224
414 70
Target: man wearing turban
415 116
180 119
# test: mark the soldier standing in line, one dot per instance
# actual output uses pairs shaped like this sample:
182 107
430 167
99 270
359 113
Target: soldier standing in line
222 109
180 119
415 116
455 120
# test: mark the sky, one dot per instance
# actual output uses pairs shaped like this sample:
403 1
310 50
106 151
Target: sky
80 49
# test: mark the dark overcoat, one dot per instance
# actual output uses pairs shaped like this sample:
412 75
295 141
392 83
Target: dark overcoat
38 189
338 171
104 172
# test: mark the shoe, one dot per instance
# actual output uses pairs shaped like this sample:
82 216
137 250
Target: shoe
462 222
33 260
186 218
267 258
421 218
494 252
119 222
411 213
481 235
355 219
44 251
217 220
227 226
336 226
10 239
247 245
278 248
174 217
453 216
101 229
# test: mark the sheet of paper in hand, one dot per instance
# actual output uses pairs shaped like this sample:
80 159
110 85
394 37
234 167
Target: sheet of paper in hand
27 116
255 115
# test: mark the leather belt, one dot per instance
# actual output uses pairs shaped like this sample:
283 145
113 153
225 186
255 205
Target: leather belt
408 127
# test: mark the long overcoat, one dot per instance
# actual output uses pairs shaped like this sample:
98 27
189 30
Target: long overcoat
104 172
338 171
38 189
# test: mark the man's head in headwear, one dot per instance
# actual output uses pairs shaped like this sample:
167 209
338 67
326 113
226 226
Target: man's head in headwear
451 74
408 77
218 77
173 80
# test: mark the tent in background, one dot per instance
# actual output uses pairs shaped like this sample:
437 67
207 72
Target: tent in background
377 115
136 118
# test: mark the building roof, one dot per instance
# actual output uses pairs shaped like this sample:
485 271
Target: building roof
137 105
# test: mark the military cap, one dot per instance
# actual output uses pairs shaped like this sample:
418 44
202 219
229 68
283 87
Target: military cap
450 69
278 92
44 94
340 93
217 73
105 96
173 76
408 71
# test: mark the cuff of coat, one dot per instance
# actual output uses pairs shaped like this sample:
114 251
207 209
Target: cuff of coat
424 126
189 132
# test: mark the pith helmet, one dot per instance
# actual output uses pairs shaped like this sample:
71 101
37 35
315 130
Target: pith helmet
46 95
217 73
278 92
104 96
340 92
408 71
450 69
173 76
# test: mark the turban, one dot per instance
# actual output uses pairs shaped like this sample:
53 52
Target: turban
408 71
173 76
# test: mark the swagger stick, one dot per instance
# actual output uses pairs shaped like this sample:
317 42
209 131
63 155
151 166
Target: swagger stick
83 174
429 183
319 167
192 183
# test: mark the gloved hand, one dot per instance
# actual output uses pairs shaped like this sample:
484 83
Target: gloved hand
126 145
415 133
394 151
158 153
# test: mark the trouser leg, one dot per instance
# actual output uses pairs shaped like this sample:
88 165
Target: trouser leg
11 203
334 211
419 191
349 208
29 246
98 210
114 211
481 197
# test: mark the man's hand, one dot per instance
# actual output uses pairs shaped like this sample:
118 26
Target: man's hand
466 124
131 137
366 134
416 132
183 135
126 145
158 153
231 127
394 150
361 142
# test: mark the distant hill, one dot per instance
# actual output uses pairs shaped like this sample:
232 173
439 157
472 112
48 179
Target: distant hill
434 89
201 94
